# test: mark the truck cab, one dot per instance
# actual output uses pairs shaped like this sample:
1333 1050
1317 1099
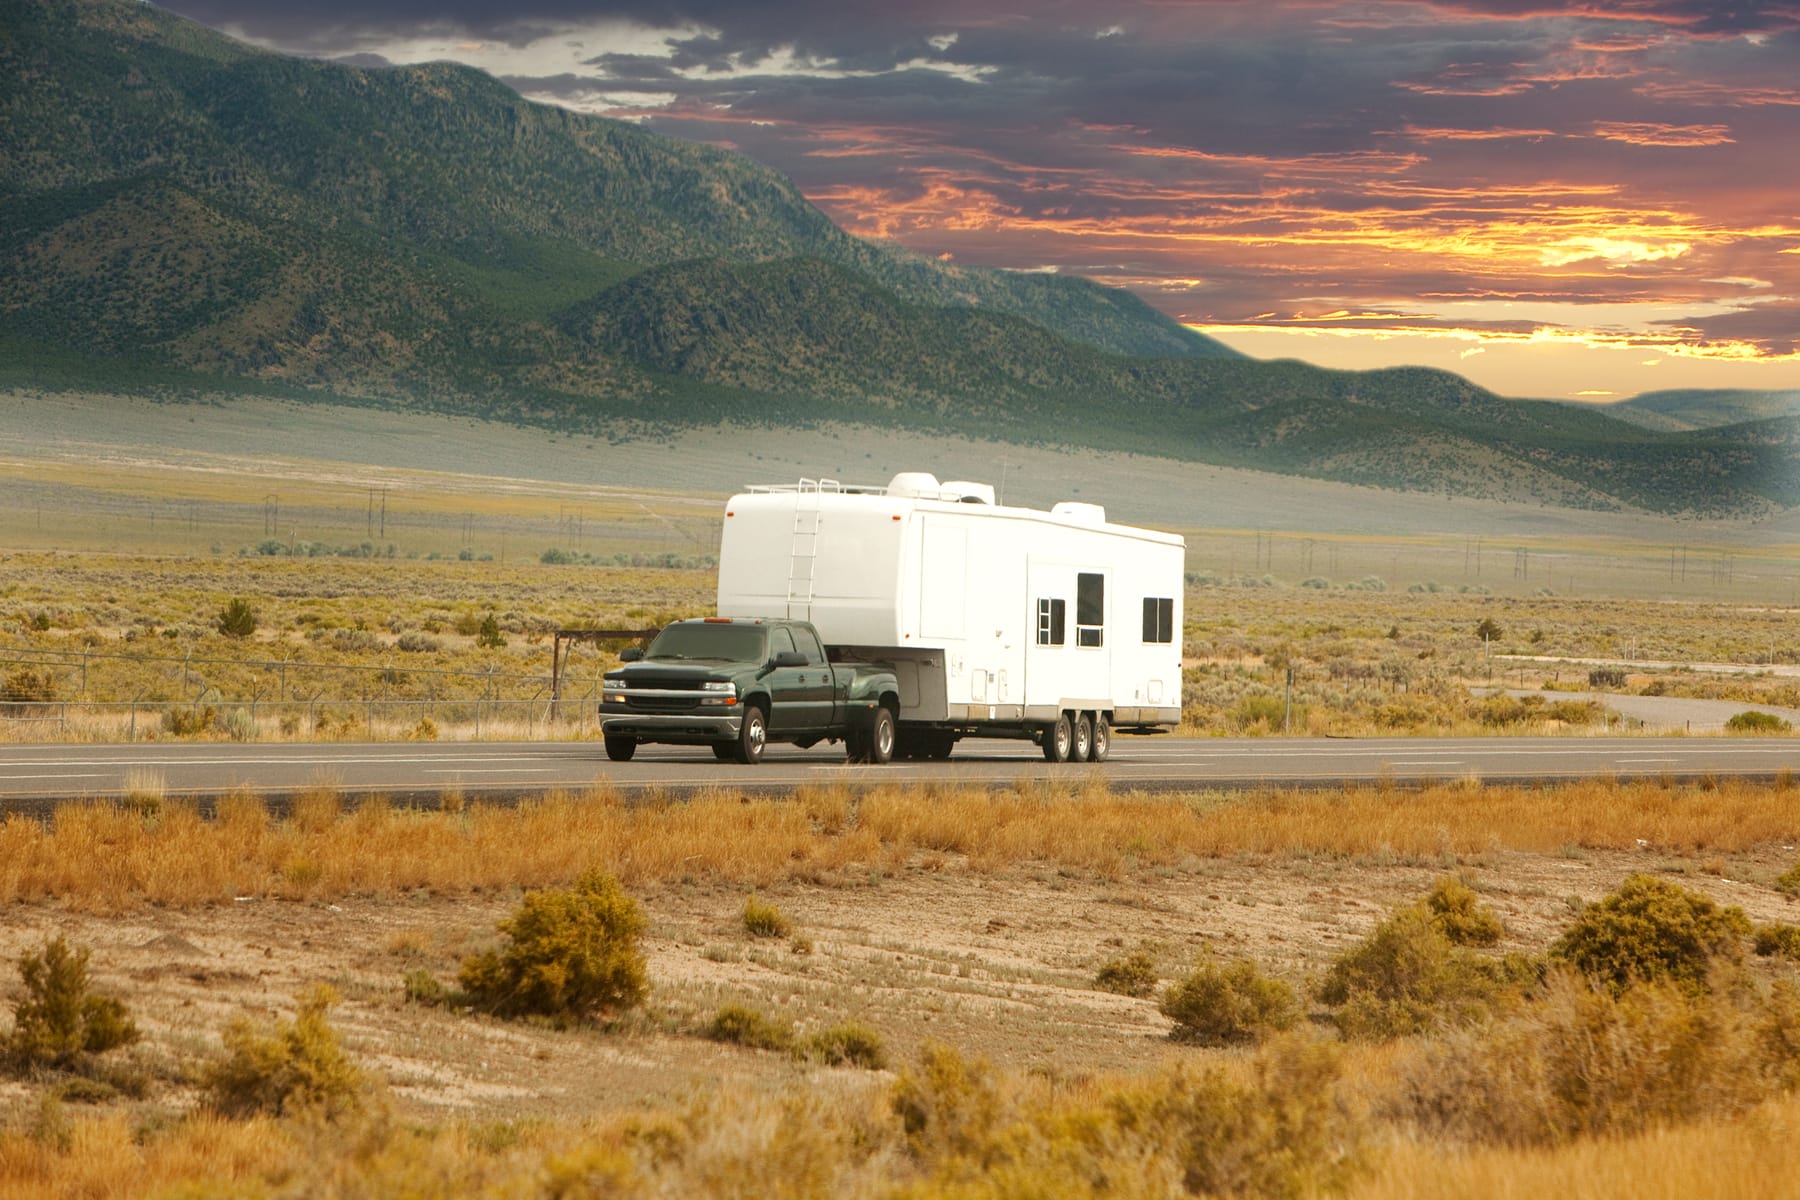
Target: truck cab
736 684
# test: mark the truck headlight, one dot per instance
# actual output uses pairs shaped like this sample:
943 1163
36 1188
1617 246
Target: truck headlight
718 685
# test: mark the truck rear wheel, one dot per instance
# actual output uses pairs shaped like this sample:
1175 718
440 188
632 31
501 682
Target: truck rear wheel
620 748
1056 740
939 743
1082 743
1102 739
724 751
881 736
753 735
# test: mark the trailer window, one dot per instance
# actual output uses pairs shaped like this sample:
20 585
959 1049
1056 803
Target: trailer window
1051 615
1090 609
1159 619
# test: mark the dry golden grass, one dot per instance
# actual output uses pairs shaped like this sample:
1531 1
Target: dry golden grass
1747 1159
109 858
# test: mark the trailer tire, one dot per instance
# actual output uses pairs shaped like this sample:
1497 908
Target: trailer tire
1057 738
1081 744
620 748
753 735
1102 743
881 737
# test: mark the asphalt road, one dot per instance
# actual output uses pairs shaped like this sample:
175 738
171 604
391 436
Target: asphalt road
34 777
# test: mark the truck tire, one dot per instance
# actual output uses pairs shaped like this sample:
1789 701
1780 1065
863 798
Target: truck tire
856 745
753 735
1081 743
725 751
1102 745
939 743
881 737
1057 738
620 748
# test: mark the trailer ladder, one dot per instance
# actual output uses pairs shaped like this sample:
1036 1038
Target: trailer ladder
803 553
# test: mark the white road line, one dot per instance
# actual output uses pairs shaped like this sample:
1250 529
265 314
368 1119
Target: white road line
1426 762
54 775
1646 760
489 771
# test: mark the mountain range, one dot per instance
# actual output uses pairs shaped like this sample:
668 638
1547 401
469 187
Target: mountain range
190 215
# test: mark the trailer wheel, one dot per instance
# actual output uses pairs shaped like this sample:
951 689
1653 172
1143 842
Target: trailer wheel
1057 738
1082 744
1102 745
620 748
753 735
881 737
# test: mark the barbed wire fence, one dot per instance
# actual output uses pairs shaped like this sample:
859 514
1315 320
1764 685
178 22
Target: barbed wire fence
288 698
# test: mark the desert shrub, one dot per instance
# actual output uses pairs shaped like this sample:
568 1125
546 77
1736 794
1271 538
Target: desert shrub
60 1020
26 686
188 720
422 987
1462 917
237 619
570 952
748 1027
1218 1005
847 1045
1755 721
1653 930
425 731
1574 712
1782 940
762 919
1285 1132
1788 882
418 643
488 635
297 1066
1585 1060
1606 677
1131 974
1267 710
239 724
1408 977
1489 630
1400 716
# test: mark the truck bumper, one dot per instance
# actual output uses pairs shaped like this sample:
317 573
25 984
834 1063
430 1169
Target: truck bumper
682 729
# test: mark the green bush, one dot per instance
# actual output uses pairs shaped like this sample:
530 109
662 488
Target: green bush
1220 1005
1606 677
237 619
26 686
847 1045
1408 977
1463 918
295 1067
1755 721
742 1026
1652 930
762 919
1782 940
1132 974
59 1020
1788 882
422 987
488 635
570 952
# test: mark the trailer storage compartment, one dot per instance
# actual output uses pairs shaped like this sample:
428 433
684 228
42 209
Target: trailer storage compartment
998 621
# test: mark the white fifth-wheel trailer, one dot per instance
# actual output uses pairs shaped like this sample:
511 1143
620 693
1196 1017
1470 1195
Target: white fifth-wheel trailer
999 621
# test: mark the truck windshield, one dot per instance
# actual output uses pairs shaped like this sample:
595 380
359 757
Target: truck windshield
724 643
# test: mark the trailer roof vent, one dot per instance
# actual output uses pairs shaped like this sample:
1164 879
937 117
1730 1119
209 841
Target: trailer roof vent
919 485
968 492
1078 513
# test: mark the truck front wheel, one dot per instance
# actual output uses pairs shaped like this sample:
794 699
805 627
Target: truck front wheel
1057 738
753 735
620 749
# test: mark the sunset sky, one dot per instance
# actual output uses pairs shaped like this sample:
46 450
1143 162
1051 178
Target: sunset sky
1553 199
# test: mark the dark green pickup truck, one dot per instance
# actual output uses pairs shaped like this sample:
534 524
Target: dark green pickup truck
736 685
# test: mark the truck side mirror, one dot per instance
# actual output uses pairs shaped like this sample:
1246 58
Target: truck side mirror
631 654
789 658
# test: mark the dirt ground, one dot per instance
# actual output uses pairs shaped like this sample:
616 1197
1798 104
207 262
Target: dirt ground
1000 965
